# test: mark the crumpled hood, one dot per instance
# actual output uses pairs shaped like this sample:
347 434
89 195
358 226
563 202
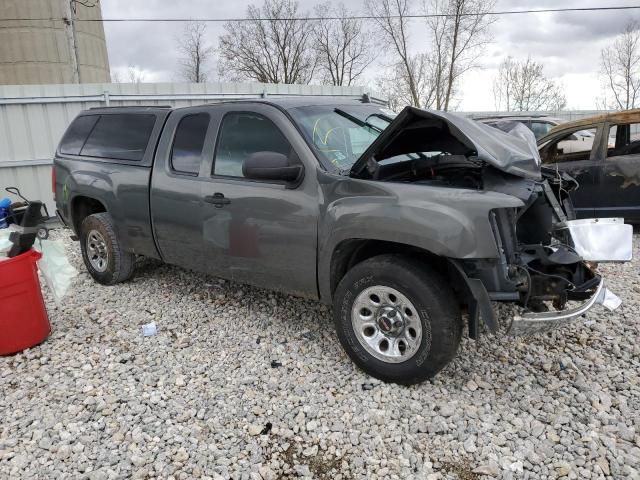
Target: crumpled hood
415 130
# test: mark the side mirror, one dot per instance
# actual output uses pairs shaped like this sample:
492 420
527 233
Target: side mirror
272 166
573 138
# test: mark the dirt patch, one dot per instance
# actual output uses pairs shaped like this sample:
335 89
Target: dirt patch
321 467
462 470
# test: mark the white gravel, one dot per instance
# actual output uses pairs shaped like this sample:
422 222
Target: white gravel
246 384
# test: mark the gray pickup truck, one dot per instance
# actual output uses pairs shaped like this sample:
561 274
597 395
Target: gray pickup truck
400 222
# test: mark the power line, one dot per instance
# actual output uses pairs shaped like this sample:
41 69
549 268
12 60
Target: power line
312 19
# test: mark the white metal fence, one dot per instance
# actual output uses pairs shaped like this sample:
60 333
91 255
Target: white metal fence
34 117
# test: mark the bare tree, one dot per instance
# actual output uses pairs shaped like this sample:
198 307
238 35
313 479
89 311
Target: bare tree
459 30
402 80
439 57
343 52
522 86
621 67
602 102
504 85
133 74
116 77
392 19
196 53
272 46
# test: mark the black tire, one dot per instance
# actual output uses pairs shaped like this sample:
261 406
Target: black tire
430 295
43 233
120 265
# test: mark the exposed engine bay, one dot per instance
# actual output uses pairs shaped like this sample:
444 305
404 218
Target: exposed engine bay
441 169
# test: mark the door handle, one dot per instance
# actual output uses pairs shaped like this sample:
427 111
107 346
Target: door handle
217 199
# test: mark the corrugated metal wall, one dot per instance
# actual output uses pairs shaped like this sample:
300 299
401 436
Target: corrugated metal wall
34 117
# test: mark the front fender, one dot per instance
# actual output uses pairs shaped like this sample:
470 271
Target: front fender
447 222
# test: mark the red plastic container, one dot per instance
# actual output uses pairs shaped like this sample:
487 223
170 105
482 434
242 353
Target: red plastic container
23 317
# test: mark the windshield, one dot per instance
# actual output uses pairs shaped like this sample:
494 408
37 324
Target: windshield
341 134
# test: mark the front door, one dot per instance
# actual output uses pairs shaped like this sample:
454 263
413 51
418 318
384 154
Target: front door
258 232
575 154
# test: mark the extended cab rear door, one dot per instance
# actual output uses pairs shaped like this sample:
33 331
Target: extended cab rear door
178 171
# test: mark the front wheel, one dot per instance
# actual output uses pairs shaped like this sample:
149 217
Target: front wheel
397 319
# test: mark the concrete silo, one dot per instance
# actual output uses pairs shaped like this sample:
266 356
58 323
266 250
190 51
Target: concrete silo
46 41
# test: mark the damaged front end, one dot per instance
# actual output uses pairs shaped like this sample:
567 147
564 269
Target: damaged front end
546 259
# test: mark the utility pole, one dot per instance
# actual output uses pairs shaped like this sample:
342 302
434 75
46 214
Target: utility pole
70 30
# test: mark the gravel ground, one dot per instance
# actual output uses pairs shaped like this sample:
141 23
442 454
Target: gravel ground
246 384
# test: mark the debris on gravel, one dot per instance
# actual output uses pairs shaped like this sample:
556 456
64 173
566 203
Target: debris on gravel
203 397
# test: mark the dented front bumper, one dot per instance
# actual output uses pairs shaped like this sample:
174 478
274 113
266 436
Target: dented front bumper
594 240
531 322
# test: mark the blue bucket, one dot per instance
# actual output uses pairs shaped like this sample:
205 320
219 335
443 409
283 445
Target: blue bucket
5 204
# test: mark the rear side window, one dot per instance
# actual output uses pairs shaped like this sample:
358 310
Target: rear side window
186 153
77 134
120 137
623 139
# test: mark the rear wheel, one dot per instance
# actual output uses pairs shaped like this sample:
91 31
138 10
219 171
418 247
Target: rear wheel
397 319
103 255
43 233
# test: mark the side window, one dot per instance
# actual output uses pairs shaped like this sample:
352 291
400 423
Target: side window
77 134
623 139
186 153
120 136
540 129
242 134
572 147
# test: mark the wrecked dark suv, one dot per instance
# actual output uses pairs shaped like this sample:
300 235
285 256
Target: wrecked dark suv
400 222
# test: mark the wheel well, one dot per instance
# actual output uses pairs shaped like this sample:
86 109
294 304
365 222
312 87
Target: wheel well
81 208
351 252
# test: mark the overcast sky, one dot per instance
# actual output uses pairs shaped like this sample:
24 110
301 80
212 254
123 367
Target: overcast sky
567 44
